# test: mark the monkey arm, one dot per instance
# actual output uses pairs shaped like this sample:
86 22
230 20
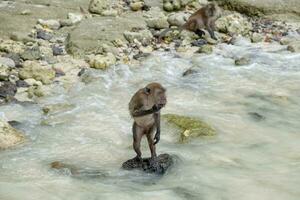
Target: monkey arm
157 123
139 112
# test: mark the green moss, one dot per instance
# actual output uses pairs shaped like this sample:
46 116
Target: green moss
190 127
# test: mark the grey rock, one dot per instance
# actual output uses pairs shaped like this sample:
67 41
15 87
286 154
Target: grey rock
31 53
98 6
7 62
199 43
57 50
242 61
15 57
21 83
256 116
8 89
42 34
163 162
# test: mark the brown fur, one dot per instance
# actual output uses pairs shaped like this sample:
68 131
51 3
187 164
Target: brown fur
145 107
204 18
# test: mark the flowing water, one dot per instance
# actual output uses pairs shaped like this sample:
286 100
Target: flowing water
254 108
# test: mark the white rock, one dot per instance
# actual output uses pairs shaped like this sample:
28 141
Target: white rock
75 18
51 23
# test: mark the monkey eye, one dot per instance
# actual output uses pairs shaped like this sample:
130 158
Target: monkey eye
147 90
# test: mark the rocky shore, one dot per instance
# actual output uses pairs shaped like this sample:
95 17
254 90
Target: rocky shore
43 44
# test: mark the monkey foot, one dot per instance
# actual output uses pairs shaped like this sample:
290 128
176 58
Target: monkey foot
159 165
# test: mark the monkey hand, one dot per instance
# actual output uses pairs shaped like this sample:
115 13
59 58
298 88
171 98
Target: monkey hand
156 138
156 108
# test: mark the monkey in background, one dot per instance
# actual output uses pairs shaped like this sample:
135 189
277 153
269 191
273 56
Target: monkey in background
145 107
205 17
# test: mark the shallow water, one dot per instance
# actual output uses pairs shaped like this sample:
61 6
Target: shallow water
250 158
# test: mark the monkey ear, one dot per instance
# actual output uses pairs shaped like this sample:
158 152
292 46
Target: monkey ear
147 90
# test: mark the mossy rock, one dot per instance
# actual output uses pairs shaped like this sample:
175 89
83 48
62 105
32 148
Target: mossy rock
190 127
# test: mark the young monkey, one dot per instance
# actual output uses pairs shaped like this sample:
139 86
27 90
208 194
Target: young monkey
145 107
205 17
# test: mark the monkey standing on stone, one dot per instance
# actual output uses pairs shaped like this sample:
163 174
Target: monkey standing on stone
145 107
205 17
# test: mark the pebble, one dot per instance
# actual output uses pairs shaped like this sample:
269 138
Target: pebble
57 50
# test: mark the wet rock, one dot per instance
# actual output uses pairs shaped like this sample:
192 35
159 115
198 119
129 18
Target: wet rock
257 37
21 83
256 116
242 61
171 5
189 72
15 57
164 161
81 72
32 69
57 50
98 6
56 108
199 43
7 89
7 62
102 61
156 19
294 47
14 123
178 19
31 81
51 24
233 24
73 170
35 91
207 49
31 53
44 35
9 136
190 127
140 56
143 36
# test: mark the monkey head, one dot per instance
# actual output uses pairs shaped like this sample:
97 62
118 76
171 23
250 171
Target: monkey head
156 94
213 10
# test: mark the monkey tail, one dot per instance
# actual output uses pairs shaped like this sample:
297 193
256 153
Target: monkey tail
162 34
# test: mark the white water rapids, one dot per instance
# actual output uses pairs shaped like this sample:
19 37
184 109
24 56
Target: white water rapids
250 158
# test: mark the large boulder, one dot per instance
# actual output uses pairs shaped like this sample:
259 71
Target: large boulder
9 136
274 8
234 23
190 127
33 69
97 35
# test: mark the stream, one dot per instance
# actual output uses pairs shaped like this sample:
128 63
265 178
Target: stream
254 108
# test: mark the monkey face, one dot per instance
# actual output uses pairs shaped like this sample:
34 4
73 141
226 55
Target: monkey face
157 93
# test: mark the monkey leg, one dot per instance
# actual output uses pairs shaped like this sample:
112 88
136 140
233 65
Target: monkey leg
212 33
153 160
137 137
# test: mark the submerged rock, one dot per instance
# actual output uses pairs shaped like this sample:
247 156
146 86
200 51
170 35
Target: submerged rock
242 61
208 49
56 108
190 127
9 136
76 171
164 161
